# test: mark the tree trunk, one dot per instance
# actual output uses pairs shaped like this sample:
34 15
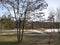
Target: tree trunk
23 25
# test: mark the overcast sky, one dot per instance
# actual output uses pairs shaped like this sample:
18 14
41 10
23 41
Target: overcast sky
52 4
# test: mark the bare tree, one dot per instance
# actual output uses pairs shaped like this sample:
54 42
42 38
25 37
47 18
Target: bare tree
51 17
20 9
58 17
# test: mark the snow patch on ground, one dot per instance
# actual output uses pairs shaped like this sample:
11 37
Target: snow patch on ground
51 30
37 31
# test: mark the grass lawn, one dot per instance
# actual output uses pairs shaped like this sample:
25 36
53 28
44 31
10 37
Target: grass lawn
29 40
8 40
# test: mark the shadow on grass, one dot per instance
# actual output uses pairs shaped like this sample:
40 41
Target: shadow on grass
8 43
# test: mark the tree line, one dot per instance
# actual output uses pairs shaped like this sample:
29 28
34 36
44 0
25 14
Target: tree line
6 22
